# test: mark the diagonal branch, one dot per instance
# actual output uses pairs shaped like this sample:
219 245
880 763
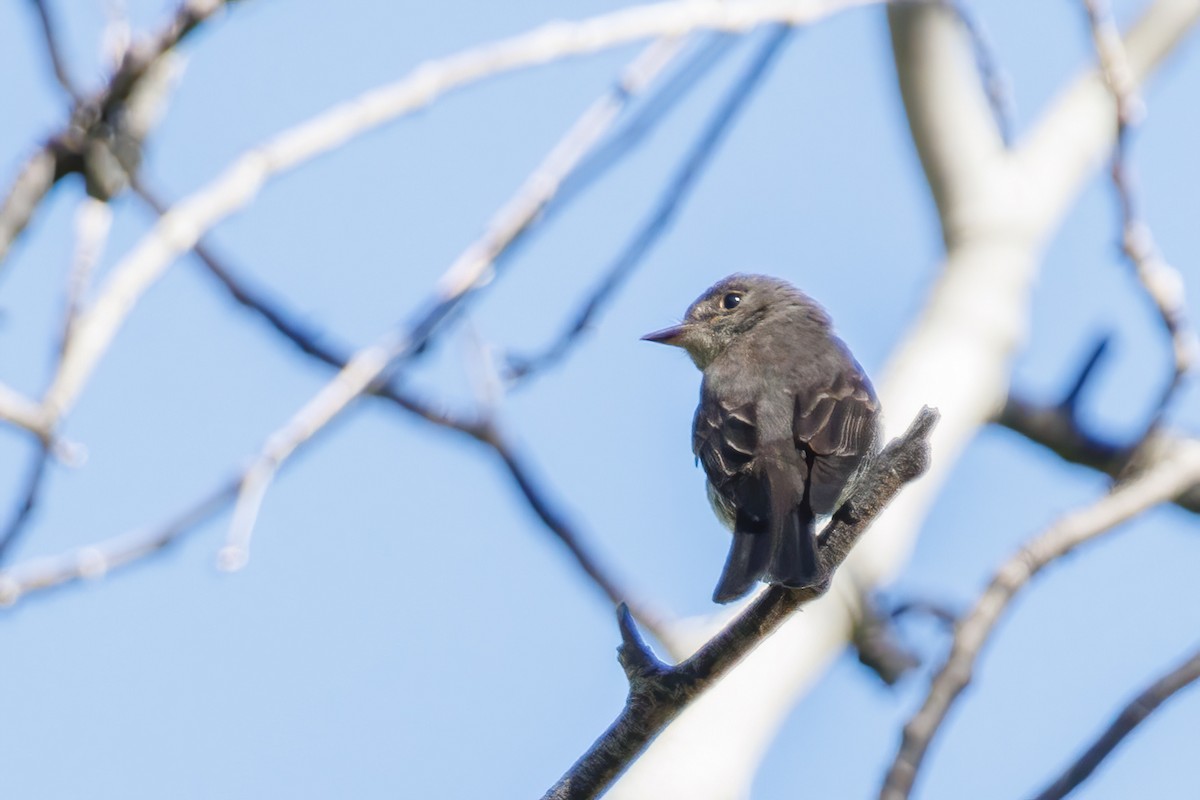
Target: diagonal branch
658 692
1134 714
677 190
1176 471
50 39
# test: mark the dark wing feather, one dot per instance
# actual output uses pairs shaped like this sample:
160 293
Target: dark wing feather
838 426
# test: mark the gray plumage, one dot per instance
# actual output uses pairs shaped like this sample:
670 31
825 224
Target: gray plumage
786 421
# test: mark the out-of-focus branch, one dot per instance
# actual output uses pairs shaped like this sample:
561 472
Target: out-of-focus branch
1058 428
1141 707
19 410
658 692
99 559
962 152
1174 473
70 150
679 187
1162 282
1073 138
50 38
183 225
27 497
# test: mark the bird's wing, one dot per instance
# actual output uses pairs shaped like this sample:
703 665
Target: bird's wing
723 439
838 426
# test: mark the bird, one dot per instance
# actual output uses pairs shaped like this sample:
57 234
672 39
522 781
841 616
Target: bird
786 424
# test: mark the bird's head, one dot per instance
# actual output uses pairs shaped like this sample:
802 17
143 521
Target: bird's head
731 308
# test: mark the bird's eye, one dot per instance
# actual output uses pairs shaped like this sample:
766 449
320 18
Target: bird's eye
730 301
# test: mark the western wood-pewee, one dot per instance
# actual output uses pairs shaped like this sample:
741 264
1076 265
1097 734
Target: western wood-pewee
787 420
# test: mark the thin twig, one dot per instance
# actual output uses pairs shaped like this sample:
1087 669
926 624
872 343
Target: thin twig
1161 281
27 499
996 83
57 62
659 692
652 229
1136 712
99 559
1057 427
1167 478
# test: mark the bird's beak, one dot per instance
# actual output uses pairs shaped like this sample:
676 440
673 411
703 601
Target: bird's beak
672 336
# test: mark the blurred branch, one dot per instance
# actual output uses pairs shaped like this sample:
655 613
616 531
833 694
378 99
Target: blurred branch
1130 717
1057 427
962 152
97 560
179 229
70 150
1162 282
874 637
1176 471
1077 133
996 85
27 497
677 190
50 39
19 410
659 692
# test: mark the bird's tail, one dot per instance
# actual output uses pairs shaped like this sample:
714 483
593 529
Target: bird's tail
793 555
782 548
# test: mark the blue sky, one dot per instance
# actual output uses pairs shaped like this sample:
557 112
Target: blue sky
405 627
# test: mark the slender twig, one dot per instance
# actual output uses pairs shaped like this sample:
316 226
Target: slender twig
50 39
1058 427
1053 428
98 559
996 84
184 224
659 692
27 498
1136 712
659 220
1161 281
1172 474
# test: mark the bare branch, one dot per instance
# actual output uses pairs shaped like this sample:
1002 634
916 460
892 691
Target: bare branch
57 62
1176 471
962 152
1162 282
99 559
182 226
27 498
658 693
1076 134
1057 427
652 229
31 186
67 151
1141 707
19 410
